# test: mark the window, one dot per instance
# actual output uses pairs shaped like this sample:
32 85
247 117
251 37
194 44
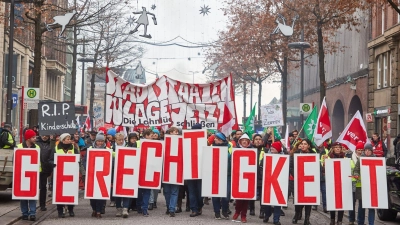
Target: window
390 68
385 69
378 73
383 19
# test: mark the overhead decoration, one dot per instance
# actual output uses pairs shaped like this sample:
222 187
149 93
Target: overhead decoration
131 20
144 20
63 21
153 7
282 27
205 10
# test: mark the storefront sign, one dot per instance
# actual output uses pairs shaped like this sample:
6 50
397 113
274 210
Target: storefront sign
368 117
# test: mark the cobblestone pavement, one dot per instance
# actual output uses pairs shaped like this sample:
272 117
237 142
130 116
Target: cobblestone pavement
157 216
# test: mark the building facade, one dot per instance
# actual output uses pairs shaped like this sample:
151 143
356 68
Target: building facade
346 77
383 83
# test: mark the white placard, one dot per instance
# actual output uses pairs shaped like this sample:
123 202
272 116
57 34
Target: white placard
271 115
373 182
193 143
338 184
151 164
66 179
215 165
307 179
173 160
126 172
275 180
98 173
26 174
244 173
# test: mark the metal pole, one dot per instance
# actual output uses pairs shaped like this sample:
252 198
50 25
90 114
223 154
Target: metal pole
91 114
302 78
251 96
193 76
10 63
83 73
244 101
21 119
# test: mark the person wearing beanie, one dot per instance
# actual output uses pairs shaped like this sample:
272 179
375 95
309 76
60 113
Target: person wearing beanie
258 143
368 152
194 189
111 143
28 207
132 139
154 192
336 152
156 134
65 146
45 152
274 211
304 148
7 138
354 159
223 202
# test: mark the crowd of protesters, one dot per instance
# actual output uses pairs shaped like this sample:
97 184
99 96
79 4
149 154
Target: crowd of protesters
78 143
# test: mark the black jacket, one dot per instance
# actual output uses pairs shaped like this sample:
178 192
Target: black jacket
291 165
45 154
4 139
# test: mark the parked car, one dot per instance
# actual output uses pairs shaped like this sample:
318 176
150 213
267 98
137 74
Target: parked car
393 187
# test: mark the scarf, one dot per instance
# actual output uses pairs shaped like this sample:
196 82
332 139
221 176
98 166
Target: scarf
354 157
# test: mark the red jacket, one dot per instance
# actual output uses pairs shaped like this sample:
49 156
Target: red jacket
378 148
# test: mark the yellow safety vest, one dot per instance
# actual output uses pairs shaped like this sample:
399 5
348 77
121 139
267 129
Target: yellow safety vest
36 146
61 151
137 144
260 158
113 153
10 140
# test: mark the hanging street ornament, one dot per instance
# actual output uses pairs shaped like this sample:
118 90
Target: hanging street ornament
144 20
131 20
205 10
62 21
153 7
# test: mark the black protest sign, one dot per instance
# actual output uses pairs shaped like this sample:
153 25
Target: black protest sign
56 117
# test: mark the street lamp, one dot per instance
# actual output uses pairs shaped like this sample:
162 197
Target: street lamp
83 60
301 45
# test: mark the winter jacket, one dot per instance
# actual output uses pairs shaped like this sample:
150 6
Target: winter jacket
379 148
45 153
357 173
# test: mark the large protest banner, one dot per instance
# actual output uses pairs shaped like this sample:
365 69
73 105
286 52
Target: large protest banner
26 174
271 115
66 179
56 117
167 101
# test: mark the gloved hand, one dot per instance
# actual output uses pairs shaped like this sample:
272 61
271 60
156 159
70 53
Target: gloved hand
54 165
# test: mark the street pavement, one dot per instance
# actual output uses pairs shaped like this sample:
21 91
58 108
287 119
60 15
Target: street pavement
10 212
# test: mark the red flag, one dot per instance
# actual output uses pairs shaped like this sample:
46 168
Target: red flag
87 123
228 120
354 132
323 130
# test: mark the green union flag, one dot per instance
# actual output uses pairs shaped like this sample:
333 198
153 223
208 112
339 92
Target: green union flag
310 124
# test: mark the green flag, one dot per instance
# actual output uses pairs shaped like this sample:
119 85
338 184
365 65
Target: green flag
276 134
310 124
249 126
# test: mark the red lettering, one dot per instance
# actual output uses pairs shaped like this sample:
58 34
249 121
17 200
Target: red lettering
99 174
372 164
215 171
249 176
271 179
61 178
31 175
194 137
302 179
121 171
337 171
143 164
168 159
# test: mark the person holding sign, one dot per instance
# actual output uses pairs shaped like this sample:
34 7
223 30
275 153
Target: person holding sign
354 158
65 146
218 203
304 148
335 153
368 152
28 207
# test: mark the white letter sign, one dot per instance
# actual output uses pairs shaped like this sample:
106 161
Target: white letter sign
275 180
98 174
215 165
338 184
126 172
66 179
26 174
306 179
373 182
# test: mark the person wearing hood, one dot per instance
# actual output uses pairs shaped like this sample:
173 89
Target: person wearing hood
304 148
354 159
154 192
194 188
45 151
242 205
335 153
98 204
378 146
218 202
65 146
133 140
368 152
276 211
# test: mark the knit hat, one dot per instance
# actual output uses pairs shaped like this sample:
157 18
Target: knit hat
29 134
336 144
156 132
103 129
210 139
63 136
100 137
7 125
220 136
368 146
277 145
112 132
360 145
197 126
